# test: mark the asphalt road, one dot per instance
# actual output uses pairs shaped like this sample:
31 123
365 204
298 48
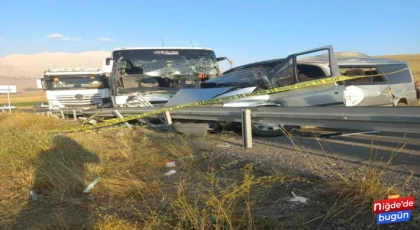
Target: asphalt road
357 150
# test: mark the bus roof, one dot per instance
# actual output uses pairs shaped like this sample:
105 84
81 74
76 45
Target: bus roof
73 70
162 48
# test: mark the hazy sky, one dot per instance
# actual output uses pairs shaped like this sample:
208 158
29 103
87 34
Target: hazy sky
245 31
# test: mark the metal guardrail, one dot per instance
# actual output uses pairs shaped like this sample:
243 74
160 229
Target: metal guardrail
393 119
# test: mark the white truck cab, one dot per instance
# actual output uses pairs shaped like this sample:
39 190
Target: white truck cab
75 88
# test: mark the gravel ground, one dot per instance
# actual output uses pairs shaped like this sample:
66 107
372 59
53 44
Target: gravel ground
308 156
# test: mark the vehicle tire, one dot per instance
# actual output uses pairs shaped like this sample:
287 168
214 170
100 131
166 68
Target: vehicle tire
400 103
270 130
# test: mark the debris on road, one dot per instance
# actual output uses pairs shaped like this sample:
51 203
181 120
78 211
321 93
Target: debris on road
170 172
90 186
170 164
33 195
300 199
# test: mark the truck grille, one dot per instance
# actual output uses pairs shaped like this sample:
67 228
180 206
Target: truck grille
71 100
72 97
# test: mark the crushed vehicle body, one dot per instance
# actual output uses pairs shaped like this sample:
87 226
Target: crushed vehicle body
75 88
150 76
391 84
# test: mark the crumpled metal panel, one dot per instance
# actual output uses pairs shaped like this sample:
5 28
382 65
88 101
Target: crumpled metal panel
185 96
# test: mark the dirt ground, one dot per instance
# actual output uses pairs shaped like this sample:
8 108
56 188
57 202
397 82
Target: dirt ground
314 157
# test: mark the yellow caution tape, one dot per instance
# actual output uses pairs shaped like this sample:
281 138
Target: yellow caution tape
91 117
306 84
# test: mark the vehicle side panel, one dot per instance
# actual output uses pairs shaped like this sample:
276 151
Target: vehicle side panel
402 83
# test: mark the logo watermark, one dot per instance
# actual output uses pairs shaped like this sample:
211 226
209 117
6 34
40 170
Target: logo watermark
393 210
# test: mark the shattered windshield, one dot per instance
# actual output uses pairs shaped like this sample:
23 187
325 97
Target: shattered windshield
67 82
167 63
252 75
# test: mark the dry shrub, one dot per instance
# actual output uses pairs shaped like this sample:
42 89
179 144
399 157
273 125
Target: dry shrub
211 203
111 222
349 194
133 192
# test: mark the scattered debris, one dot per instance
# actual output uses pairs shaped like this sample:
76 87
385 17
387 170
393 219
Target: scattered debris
92 122
170 164
33 195
298 198
90 186
170 172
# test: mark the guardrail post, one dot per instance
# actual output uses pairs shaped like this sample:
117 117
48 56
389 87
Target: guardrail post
246 129
168 120
62 114
74 115
118 114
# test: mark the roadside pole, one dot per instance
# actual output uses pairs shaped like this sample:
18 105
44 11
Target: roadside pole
8 98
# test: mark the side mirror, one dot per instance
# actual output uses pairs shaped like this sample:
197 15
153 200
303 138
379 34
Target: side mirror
225 58
107 65
40 84
108 61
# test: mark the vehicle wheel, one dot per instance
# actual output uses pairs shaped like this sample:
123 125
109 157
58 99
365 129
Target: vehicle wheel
401 104
270 130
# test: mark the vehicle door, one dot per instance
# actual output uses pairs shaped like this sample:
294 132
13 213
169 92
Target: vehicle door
401 83
323 59
368 91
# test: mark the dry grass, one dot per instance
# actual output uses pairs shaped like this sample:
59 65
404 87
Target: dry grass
208 191
18 98
349 193
133 192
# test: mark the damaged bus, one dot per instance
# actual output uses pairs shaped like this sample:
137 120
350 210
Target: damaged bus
150 76
390 84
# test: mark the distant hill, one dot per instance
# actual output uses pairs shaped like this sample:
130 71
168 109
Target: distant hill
33 66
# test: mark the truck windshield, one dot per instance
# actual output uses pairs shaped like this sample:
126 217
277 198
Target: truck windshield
67 82
167 62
